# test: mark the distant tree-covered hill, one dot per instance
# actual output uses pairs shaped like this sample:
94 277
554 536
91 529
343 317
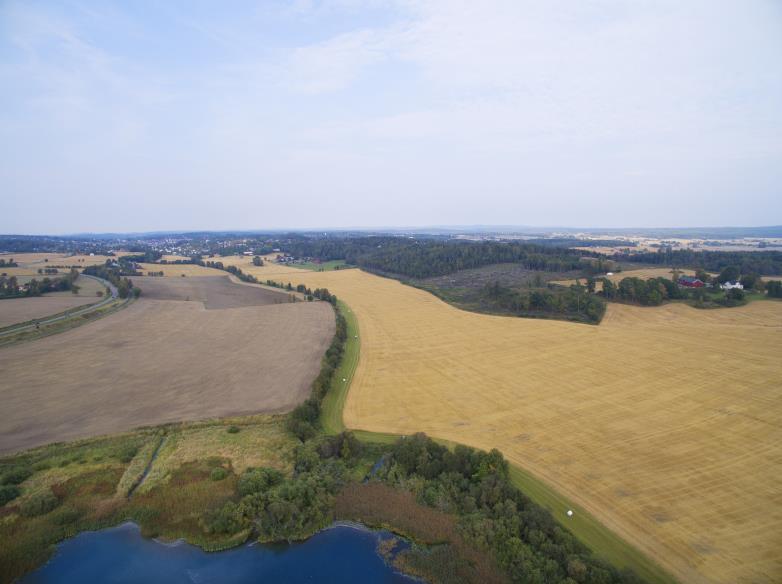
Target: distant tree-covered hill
427 258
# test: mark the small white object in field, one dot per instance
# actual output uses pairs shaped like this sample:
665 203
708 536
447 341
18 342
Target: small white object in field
343 379
356 336
570 513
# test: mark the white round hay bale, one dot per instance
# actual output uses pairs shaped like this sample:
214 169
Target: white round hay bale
570 513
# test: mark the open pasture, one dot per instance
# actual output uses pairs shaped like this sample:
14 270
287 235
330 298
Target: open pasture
662 422
161 361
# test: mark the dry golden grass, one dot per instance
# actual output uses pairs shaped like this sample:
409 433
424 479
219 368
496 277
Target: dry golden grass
663 422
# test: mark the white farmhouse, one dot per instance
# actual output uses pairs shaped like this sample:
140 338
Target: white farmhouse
731 286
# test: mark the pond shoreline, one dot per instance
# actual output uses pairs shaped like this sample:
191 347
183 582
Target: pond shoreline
344 551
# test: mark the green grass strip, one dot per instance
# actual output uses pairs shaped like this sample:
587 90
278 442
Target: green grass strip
334 402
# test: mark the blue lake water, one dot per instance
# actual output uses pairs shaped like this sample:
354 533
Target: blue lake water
342 553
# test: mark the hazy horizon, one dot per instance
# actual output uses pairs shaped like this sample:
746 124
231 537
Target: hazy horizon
325 114
424 229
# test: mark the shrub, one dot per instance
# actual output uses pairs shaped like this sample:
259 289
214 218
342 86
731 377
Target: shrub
218 473
256 480
127 452
227 519
302 430
65 516
16 476
39 504
233 429
8 493
345 446
736 294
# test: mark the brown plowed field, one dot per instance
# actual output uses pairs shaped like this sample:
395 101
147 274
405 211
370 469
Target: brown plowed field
214 292
161 361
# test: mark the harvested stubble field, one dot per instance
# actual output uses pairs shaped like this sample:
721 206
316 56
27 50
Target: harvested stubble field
161 361
662 422
19 272
14 310
214 292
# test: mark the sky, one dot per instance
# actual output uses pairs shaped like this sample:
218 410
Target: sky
179 115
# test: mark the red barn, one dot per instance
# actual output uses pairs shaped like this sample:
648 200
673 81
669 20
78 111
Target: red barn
690 282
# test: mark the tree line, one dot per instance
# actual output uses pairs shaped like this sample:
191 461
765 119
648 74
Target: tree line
574 303
10 288
114 274
656 291
764 263
427 258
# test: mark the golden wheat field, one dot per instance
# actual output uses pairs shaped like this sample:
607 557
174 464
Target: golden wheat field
33 261
18 272
179 270
663 422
